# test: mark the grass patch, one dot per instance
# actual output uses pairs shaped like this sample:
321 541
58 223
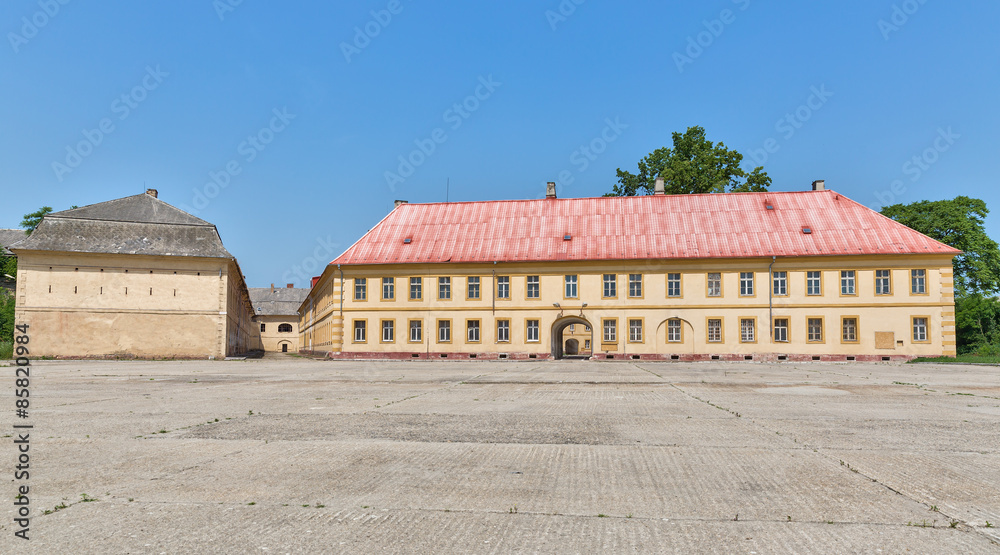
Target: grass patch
970 358
6 350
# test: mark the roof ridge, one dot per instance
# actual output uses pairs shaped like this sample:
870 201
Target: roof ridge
677 195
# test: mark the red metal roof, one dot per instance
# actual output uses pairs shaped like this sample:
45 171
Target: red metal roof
732 225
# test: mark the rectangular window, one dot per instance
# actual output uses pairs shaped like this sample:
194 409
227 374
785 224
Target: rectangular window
416 288
472 328
611 331
673 285
360 331
674 333
848 282
586 344
746 284
388 331
534 287
361 289
781 330
883 282
571 287
715 284
444 331
814 283
918 282
416 331
850 330
780 285
635 285
444 288
748 330
532 330
503 287
503 331
610 286
715 330
635 331
815 329
920 330
388 289
473 288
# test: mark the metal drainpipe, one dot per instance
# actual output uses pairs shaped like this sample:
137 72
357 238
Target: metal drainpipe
495 287
343 326
770 298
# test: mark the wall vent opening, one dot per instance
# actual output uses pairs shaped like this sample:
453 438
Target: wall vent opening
444 355
747 357
414 355
635 357
886 359
503 356
532 356
817 358
675 357
473 356
782 357
852 358
716 357
609 357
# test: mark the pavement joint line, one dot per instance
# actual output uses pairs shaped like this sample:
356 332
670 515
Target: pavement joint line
847 466
437 390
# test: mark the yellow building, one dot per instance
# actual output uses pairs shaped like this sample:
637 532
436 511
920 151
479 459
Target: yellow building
742 276
276 313
133 277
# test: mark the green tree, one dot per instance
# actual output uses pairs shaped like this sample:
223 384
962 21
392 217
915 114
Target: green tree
6 317
31 221
693 165
977 323
957 223
8 267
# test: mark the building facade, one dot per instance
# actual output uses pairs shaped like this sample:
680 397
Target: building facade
133 277
277 316
740 276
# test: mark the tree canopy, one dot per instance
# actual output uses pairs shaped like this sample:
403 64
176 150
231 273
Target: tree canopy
957 223
31 221
693 165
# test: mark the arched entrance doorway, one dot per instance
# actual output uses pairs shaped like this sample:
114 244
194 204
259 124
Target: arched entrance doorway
284 346
572 347
572 337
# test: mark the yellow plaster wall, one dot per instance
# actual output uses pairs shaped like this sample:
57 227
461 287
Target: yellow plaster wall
126 305
889 313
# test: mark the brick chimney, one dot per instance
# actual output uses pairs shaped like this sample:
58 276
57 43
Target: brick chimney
550 189
151 192
290 286
660 187
819 185
272 288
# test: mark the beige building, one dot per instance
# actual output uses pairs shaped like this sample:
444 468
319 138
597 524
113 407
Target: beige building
132 277
741 276
277 315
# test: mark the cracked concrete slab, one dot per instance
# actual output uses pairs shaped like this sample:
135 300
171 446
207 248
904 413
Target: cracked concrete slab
289 455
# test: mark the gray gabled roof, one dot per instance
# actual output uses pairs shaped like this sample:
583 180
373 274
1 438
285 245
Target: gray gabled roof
8 237
140 224
277 301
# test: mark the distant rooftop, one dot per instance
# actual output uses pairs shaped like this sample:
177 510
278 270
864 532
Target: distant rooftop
9 237
277 301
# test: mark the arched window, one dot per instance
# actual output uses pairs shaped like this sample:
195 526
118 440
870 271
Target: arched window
285 328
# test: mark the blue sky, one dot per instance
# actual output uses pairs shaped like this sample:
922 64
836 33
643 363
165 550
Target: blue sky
303 110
